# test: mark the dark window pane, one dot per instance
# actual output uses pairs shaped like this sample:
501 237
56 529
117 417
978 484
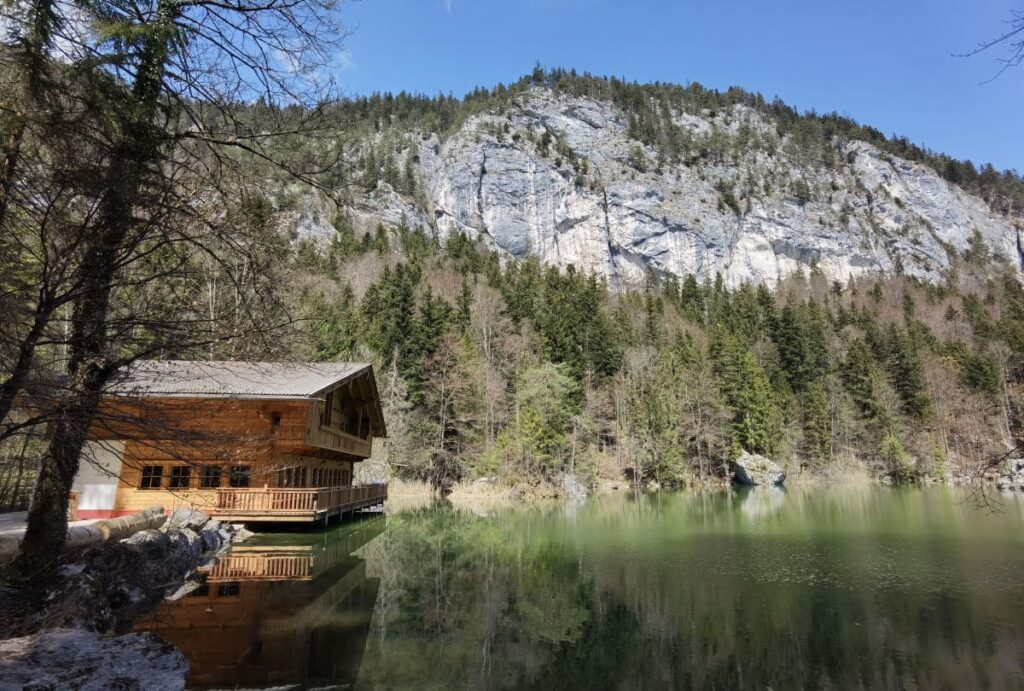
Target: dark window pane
239 476
228 589
211 476
180 476
151 476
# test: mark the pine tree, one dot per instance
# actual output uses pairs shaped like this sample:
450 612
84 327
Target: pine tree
858 377
334 326
907 373
757 424
817 423
464 312
409 175
371 171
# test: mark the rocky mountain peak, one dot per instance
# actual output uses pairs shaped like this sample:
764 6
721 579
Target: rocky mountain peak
567 178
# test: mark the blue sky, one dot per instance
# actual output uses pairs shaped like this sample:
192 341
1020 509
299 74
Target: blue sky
887 64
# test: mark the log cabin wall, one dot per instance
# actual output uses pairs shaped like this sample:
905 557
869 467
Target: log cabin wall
178 451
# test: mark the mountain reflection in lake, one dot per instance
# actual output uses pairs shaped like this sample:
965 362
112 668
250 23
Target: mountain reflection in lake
807 588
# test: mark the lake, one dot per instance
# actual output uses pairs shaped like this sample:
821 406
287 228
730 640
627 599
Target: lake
811 587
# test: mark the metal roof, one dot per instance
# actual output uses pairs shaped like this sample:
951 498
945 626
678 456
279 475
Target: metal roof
228 379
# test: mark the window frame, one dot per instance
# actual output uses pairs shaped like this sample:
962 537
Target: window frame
146 478
207 472
178 474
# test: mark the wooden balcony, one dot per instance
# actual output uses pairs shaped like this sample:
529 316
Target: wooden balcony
272 504
336 440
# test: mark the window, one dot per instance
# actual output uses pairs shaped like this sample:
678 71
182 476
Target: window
228 589
151 476
180 475
201 590
239 476
210 477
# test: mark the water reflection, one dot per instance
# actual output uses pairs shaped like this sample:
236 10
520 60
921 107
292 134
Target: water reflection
810 588
759 503
289 609
818 588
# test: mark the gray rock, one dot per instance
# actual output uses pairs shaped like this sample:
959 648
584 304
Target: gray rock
572 488
753 469
82 660
193 519
211 540
869 212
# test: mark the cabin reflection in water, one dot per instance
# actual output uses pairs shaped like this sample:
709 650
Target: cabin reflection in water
284 609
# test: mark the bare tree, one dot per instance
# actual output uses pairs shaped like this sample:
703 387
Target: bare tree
1012 39
167 82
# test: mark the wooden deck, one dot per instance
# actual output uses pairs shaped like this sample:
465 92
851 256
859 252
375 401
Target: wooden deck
273 504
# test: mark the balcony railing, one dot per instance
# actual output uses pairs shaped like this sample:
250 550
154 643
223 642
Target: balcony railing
336 440
273 503
260 567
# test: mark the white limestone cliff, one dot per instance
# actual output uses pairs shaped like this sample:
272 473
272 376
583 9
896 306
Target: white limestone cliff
869 212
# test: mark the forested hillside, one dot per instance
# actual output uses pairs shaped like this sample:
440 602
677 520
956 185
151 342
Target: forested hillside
506 361
524 372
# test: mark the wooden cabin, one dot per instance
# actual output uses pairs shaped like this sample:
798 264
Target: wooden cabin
244 441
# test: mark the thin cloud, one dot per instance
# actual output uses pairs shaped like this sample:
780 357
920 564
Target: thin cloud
345 61
447 5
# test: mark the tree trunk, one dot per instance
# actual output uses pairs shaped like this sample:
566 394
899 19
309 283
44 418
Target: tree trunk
90 363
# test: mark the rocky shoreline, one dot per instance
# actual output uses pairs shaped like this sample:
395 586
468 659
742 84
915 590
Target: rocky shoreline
73 634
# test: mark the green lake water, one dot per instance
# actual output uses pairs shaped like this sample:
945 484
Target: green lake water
847 587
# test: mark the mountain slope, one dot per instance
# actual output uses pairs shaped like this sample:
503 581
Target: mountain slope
672 185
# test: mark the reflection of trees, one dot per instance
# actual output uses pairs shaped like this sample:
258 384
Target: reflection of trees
673 592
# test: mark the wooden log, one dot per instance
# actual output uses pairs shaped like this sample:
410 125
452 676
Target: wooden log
115 528
80 536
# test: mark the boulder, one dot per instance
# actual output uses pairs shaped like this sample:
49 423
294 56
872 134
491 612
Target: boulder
753 469
193 519
74 659
212 540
